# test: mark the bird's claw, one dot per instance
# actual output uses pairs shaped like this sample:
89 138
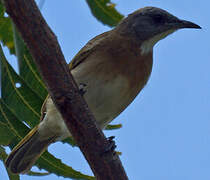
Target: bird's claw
111 147
82 88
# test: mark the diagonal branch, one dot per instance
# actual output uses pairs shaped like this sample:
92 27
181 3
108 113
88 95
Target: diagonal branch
48 56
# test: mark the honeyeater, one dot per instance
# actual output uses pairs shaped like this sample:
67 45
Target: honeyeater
114 67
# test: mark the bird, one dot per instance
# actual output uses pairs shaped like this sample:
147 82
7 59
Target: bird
113 68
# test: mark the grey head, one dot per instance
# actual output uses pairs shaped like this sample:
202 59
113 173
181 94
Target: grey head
149 22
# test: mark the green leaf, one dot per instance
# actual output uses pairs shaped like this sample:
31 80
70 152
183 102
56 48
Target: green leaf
70 141
3 156
5 133
105 12
2 9
24 102
27 68
113 127
32 173
6 33
54 165
16 129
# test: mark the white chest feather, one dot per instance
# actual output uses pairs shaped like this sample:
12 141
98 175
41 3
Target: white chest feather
147 46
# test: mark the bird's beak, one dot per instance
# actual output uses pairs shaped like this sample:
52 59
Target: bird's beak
186 24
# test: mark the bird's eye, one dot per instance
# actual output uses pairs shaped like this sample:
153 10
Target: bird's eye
158 19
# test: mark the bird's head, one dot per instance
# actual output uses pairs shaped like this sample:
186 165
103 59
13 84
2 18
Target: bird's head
150 24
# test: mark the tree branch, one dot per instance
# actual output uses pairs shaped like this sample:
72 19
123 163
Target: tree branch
48 56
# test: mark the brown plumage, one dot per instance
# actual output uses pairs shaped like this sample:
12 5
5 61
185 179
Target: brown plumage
115 66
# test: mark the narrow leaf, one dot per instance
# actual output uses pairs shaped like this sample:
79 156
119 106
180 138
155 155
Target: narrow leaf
113 126
23 101
2 9
105 11
52 164
32 173
6 33
16 129
27 68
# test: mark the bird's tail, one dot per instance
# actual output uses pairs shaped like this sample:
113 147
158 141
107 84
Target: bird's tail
27 151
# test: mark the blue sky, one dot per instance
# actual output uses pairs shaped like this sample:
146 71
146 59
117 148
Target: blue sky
166 130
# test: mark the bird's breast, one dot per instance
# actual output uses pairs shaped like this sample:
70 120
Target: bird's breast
112 82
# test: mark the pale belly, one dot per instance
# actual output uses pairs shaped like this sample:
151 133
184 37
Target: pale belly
105 100
107 95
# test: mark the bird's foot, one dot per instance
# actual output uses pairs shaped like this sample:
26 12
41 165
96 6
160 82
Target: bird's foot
111 147
82 88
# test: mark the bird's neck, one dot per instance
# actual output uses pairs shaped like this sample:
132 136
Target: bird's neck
147 45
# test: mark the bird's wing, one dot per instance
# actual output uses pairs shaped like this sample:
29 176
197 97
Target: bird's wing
87 50
77 60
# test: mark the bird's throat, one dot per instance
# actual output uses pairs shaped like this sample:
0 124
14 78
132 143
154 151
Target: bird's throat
147 45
